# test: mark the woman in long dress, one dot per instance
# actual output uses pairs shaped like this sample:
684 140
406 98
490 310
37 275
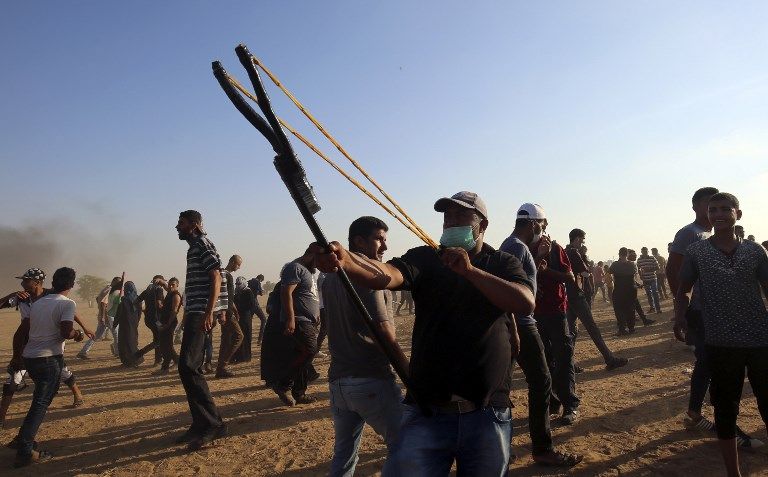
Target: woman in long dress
245 301
128 315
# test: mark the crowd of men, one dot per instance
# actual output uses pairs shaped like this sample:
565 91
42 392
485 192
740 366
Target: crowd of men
478 310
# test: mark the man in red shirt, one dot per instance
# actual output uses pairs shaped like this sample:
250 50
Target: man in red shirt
550 316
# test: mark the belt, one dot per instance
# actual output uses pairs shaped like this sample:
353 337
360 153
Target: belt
456 407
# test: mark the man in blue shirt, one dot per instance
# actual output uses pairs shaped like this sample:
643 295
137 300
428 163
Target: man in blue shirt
532 360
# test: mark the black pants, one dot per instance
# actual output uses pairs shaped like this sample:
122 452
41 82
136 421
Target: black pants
728 366
700 376
323 331
165 341
624 308
558 348
579 308
263 321
205 416
639 309
532 360
155 337
305 348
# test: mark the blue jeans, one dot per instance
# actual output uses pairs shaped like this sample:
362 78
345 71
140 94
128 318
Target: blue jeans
46 373
478 441
354 402
652 291
101 330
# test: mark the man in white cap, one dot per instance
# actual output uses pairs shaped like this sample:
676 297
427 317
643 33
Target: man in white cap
462 344
529 228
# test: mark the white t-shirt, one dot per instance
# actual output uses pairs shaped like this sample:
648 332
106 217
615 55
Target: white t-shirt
45 317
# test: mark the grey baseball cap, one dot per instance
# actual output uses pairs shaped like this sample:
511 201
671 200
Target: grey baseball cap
468 200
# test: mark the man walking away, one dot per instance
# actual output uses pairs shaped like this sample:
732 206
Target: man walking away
201 290
361 381
255 284
152 297
598 273
229 317
577 302
166 325
648 267
108 300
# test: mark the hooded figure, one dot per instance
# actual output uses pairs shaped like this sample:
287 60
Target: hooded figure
128 314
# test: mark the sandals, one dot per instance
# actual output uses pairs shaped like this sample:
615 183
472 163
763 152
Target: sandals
556 458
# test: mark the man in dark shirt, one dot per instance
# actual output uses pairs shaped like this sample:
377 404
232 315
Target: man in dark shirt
529 228
362 385
153 297
462 342
578 307
730 273
201 289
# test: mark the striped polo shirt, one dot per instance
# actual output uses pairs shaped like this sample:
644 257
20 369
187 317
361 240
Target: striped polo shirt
648 266
227 283
202 257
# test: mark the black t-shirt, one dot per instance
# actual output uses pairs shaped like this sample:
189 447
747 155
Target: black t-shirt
150 296
461 341
168 314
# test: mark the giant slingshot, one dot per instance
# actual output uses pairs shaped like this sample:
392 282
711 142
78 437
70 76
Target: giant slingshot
292 173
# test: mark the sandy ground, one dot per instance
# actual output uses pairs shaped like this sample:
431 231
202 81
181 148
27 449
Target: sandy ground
631 422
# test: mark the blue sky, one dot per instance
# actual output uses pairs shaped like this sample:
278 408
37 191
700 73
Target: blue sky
609 114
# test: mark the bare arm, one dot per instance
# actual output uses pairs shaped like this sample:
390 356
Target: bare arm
68 331
362 271
674 263
286 298
681 305
20 338
213 297
387 329
87 332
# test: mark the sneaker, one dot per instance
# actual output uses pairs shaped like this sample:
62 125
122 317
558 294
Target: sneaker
33 458
285 397
616 362
569 417
82 356
648 322
304 399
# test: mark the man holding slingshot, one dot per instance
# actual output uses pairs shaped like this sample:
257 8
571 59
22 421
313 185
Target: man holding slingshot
462 342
